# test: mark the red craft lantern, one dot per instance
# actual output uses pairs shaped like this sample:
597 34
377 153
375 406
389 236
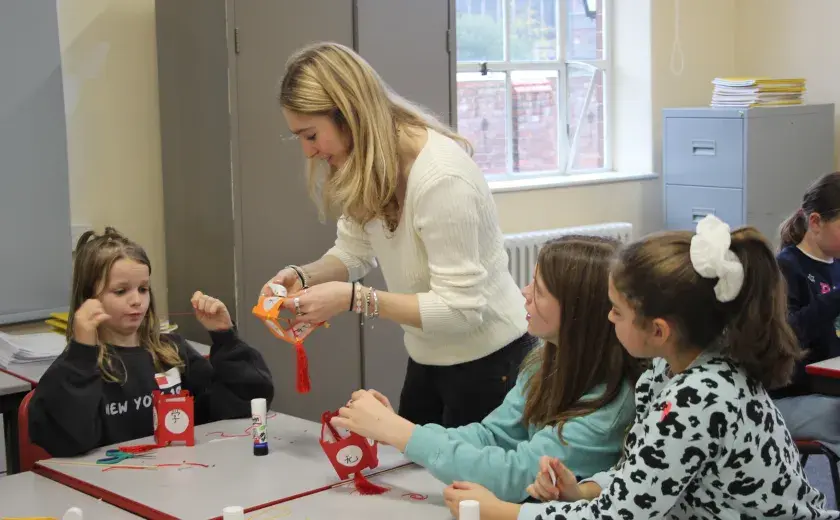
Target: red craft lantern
270 310
174 418
350 455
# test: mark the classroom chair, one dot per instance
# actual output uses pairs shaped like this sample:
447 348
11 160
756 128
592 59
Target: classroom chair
808 447
30 453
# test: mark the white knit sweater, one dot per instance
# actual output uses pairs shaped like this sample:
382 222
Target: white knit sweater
449 250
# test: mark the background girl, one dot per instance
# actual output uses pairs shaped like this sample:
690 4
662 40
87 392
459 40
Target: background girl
810 241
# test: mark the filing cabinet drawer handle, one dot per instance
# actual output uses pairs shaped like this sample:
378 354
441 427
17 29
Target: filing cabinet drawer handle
703 147
697 214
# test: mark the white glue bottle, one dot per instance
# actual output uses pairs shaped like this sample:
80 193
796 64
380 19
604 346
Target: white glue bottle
74 513
233 513
469 510
258 423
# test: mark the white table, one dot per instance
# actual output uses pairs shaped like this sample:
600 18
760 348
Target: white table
296 465
825 376
414 495
30 495
12 392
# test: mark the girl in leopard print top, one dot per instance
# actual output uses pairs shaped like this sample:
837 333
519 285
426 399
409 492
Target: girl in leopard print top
707 441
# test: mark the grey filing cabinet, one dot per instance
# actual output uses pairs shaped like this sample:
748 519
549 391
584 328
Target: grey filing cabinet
747 166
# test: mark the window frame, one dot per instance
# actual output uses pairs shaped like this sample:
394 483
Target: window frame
566 144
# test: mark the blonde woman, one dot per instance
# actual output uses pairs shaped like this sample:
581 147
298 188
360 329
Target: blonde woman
409 196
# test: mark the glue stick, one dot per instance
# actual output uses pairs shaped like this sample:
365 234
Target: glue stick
233 513
468 510
258 425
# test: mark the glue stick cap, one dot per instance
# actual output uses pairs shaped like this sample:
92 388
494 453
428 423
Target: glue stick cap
233 513
468 510
74 513
258 406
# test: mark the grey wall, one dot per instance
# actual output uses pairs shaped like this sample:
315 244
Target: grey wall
35 244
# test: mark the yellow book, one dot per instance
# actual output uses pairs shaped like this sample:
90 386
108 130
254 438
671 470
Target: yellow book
57 324
60 316
756 81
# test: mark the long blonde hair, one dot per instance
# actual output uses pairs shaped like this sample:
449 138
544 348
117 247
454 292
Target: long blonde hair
95 255
330 79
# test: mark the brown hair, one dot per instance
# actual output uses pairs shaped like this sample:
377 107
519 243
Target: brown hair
95 255
822 198
330 79
575 270
657 278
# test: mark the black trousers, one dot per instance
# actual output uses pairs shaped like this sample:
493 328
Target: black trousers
461 394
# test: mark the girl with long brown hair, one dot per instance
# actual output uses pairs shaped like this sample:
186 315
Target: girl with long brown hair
572 400
99 390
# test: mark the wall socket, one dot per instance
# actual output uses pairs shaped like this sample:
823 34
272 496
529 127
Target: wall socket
76 231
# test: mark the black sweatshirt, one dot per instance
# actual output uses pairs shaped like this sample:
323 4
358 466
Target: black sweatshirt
75 410
813 311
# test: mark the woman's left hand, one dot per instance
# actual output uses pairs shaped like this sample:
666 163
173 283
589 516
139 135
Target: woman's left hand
368 417
460 491
211 312
319 303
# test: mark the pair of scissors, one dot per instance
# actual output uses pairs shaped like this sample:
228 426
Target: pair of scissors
115 456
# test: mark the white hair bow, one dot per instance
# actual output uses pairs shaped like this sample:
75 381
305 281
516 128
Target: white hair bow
712 258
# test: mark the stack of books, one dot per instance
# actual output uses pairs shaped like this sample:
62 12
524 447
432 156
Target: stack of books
58 323
755 92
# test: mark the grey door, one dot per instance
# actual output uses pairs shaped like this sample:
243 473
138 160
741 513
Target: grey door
406 42
279 224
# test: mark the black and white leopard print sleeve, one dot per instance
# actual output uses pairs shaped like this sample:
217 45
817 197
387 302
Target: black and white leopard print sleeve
707 443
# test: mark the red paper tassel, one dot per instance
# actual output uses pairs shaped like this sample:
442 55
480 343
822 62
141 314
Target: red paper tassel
303 385
366 487
139 448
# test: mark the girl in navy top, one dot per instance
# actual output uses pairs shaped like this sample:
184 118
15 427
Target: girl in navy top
810 244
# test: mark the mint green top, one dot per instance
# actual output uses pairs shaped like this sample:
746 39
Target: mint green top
502 454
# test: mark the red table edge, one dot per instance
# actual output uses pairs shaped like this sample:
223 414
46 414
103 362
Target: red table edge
150 513
97 492
22 378
314 491
822 371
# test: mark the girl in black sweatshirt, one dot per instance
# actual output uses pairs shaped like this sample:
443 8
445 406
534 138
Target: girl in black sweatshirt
99 390
810 244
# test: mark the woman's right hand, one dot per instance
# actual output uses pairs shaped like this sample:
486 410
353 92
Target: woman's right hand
288 278
86 321
566 487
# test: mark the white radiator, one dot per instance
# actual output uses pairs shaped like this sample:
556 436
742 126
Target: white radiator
523 248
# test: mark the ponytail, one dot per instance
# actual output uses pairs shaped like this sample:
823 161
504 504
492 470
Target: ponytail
822 198
658 278
758 336
792 230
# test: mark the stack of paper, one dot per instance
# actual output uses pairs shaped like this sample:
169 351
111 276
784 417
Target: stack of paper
753 92
30 348
58 322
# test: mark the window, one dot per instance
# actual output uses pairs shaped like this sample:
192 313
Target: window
531 85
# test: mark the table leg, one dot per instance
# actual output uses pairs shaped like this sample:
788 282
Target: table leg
825 385
10 431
